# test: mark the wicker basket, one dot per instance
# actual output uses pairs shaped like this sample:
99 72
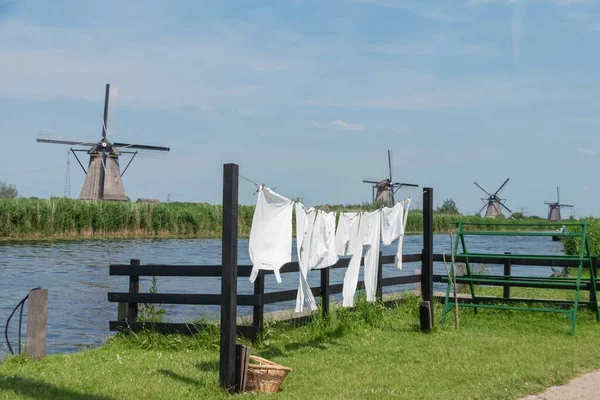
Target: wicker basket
266 376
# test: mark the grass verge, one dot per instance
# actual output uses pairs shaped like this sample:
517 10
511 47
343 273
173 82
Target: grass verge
370 352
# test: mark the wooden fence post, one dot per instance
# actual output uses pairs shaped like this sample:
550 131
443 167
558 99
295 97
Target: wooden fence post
325 292
379 291
37 312
229 268
258 311
427 263
134 287
507 272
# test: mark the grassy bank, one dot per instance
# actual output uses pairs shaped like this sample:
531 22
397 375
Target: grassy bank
61 217
371 352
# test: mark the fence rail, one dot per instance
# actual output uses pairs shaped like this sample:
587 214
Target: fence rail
257 300
260 298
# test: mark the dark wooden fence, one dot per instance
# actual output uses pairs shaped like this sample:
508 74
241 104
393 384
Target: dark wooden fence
228 299
257 300
260 298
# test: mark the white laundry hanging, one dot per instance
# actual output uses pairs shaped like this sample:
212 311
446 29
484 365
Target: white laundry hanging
304 224
270 244
392 223
372 239
315 232
398 258
358 231
347 226
323 254
393 226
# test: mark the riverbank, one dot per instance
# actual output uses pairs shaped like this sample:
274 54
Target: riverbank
69 218
370 352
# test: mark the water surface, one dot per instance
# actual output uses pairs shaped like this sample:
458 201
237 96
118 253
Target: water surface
76 275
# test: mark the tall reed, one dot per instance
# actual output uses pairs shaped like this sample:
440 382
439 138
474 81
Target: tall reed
56 217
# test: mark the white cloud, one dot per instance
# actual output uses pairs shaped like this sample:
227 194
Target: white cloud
590 152
346 126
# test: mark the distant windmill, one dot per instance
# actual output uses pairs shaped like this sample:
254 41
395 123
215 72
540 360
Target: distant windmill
384 190
103 176
554 207
493 203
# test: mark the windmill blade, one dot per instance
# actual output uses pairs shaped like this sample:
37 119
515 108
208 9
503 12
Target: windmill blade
549 202
507 209
484 206
141 147
405 184
373 182
504 184
557 195
479 186
390 163
69 142
566 205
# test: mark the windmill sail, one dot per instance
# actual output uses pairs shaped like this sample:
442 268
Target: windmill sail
103 176
384 190
493 204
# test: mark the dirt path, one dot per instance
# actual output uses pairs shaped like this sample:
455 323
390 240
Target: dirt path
586 387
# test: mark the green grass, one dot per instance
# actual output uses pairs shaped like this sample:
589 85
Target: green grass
62 217
372 352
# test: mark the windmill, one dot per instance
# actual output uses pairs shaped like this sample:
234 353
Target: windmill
384 190
554 207
493 203
103 175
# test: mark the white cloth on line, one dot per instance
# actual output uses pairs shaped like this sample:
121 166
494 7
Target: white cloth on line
392 223
350 236
304 226
270 244
372 239
398 258
393 226
315 232
366 231
347 226
323 254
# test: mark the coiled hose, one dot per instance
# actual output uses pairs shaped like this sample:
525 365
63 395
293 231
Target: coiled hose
21 304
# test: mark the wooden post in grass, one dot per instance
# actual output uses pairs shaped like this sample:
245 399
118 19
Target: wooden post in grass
507 272
134 287
325 292
258 311
427 263
229 268
37 312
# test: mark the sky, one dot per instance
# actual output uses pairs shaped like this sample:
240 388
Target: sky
308 96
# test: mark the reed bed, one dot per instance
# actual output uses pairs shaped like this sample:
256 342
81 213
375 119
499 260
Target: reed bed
62 217
24 218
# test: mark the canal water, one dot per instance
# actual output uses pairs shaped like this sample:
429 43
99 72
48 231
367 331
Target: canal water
76 275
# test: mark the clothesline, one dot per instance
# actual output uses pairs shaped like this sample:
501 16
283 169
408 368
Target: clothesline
320 242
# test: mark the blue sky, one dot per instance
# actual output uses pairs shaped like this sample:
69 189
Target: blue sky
307 96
